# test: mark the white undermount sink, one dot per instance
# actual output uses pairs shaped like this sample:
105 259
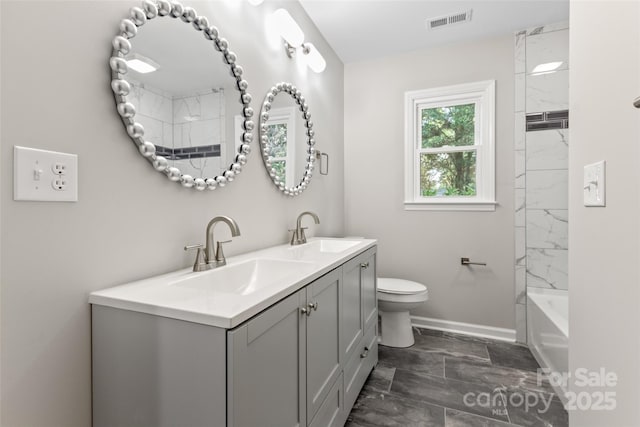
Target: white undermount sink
331 245
227 296
246 277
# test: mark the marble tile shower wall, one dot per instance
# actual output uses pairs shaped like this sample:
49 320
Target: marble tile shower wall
541 163
177 123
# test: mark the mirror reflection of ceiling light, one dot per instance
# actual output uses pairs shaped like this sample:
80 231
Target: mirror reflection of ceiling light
141 64
287 28
546 68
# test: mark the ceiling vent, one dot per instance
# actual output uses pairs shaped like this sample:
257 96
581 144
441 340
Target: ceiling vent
448 20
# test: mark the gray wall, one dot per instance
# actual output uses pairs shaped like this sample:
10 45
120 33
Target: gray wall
604 296
421 245
130 222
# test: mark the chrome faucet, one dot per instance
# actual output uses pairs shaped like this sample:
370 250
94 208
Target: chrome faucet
208 258
298 237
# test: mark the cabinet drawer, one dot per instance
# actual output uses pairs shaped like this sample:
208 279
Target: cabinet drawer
359 366
330 413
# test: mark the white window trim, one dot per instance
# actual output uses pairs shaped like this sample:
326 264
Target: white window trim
483 95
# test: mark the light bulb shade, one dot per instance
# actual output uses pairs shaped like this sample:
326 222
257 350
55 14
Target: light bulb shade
315 61
288 28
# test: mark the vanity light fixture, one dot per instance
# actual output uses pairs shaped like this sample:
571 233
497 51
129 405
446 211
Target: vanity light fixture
293 37
142 64
546 68
288 28
315 61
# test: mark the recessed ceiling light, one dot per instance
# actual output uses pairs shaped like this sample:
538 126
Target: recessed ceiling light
142 64
546 68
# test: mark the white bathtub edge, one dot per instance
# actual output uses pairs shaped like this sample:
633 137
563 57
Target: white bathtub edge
559 390
548 334
483 331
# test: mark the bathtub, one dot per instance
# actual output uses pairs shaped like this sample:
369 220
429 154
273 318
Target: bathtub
548 330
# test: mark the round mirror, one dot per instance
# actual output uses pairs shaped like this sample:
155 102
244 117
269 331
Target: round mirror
177 87
286 138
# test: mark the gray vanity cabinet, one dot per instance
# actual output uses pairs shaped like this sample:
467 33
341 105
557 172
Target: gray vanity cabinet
283 363
369 288
299 363
352 326
359 342
266 367
360 310
323 339
153 371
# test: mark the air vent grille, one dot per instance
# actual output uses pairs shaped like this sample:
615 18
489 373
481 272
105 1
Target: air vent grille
448 20
438 23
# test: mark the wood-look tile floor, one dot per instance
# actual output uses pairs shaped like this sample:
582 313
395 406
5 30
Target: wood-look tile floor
451 380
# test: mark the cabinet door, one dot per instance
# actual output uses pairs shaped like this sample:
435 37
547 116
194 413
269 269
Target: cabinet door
266 368
351 313
331 413
323 338
369 288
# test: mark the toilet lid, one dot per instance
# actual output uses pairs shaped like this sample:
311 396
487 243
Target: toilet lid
399 286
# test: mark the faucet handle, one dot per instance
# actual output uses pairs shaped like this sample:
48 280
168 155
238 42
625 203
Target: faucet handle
220 259
190 247
293 236
200 264
298 236
302 239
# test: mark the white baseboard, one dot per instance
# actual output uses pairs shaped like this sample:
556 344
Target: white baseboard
492 332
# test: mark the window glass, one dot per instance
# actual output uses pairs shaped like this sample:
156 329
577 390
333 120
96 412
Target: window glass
448 126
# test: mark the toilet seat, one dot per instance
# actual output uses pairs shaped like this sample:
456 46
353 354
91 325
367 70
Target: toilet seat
395 298
399 286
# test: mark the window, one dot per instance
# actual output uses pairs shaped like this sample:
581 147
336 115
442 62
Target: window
449 148
280 131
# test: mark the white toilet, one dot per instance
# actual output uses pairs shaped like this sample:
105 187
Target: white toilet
395 298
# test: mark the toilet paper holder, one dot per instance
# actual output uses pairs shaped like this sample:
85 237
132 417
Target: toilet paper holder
466 261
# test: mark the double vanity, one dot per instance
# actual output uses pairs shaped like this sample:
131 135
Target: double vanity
284 336
281 337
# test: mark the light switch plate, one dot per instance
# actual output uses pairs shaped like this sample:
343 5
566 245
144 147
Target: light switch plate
595 184
44 175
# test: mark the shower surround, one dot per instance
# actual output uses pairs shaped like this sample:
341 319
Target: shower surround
188 130
541 163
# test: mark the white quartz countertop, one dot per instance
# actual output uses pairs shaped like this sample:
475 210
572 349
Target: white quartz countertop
263 278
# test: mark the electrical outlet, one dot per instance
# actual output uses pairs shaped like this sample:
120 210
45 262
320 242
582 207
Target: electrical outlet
59 168
59 184
44 175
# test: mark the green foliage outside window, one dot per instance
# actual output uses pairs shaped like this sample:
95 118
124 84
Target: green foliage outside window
279 167
277 137
449 173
